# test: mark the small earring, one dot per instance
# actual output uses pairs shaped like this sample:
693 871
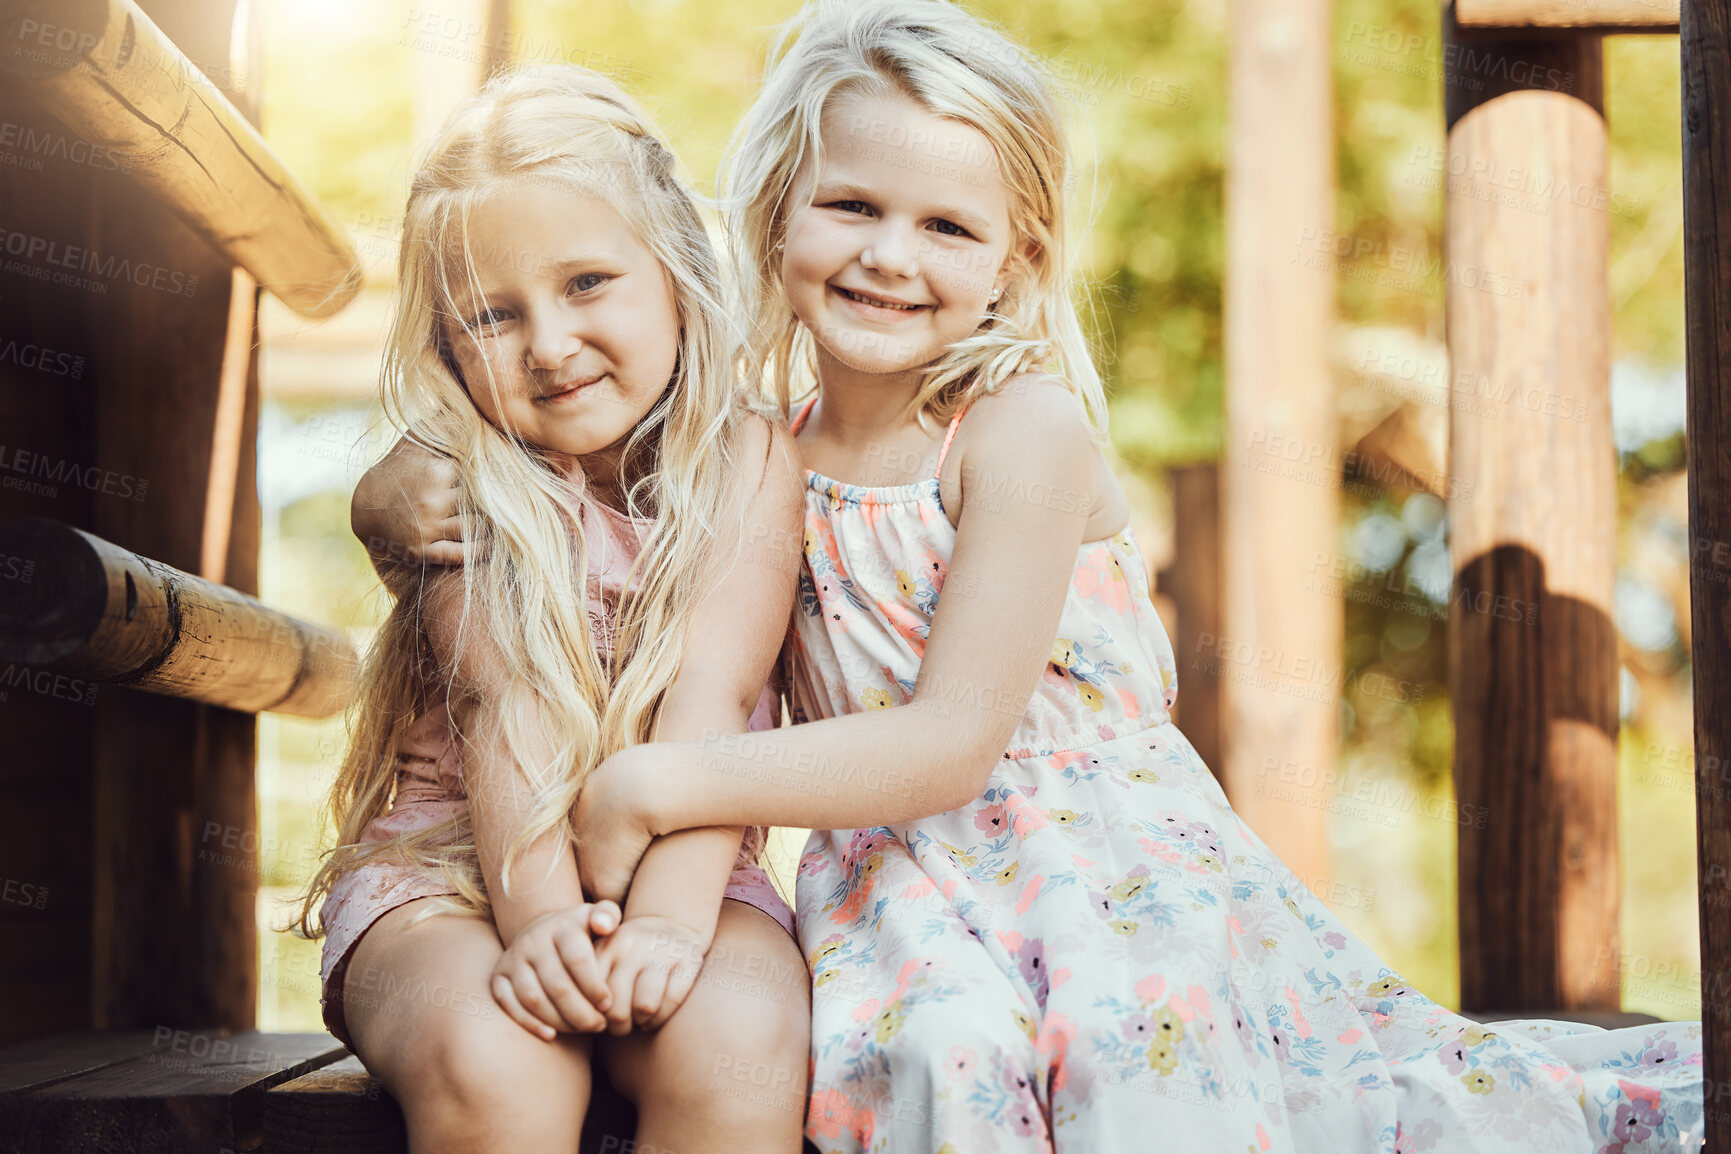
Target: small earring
996 293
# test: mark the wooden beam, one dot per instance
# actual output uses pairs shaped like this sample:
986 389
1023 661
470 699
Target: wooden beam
1533 515
106 71
1279 656
1706 74
101 613
1576 15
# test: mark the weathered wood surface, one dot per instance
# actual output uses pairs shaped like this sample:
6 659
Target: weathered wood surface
1533 516
1278 657
105 70
1193 580
100 613
1583 15
178 1091
1706 74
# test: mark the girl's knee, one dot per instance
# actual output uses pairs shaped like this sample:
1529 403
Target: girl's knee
482 1064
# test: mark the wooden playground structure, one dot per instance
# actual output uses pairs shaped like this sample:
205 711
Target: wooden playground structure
129 534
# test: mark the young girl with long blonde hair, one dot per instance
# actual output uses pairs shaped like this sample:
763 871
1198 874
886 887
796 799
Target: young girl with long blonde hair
561 340
1034 921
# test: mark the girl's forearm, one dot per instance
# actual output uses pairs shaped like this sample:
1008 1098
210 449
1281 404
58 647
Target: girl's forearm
683 875
863 769
543 874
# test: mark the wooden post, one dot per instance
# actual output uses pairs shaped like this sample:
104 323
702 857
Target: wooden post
99 613
1193 580
1279 656
1706 49
1533 515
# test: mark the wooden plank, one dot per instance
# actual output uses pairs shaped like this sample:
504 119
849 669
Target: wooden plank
339 1109
107 72
1580 15
102 613
1706 75
1533 516
33 1065
190 1090
1278 656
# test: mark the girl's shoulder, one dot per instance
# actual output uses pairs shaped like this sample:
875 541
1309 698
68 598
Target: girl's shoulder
1027 405
762 448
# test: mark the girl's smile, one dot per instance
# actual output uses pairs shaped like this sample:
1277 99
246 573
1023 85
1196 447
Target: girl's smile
894 251
568 333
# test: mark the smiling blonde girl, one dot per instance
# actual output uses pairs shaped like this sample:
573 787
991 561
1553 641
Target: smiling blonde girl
560 340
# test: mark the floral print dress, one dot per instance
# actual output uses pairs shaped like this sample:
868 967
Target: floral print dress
1096 955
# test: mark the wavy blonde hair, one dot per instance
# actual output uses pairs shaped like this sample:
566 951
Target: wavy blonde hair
524 588
953 65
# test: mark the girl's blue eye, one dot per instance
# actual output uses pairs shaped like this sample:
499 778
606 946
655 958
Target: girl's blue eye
849 205
950 228
486 320
588 281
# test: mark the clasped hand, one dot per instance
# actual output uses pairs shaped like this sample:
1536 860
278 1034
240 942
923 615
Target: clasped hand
581 970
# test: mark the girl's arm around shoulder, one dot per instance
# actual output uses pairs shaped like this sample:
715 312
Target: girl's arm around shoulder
1029 475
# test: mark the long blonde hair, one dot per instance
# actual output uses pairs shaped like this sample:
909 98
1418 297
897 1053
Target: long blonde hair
954 65
524 589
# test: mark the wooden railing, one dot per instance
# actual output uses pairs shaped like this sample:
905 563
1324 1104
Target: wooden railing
111 75
94 611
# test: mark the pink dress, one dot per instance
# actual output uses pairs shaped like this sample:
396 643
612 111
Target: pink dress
430 789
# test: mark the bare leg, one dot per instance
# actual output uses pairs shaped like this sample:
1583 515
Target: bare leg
728 1071
468 1078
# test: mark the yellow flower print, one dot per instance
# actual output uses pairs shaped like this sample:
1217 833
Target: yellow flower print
1473 1035
1063 816
904 583
874 698
1115 568
1168 1032
889 1021
1269 943
966 859
1479 1081
1024 1022
1385 987
1128 888
1146 775
1064 653
1124 926
1211 862
872 865
1293 906
810 542
1090 696
1127 667
1006 875
829 947
825 978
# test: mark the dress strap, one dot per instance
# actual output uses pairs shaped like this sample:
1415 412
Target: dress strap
948 437
798 421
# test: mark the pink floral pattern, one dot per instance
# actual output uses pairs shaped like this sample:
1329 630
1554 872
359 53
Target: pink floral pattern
1096 954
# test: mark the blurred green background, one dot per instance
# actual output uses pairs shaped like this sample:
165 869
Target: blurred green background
350 86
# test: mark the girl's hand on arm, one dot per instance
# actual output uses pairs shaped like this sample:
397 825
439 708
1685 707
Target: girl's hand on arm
550 980
405 509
